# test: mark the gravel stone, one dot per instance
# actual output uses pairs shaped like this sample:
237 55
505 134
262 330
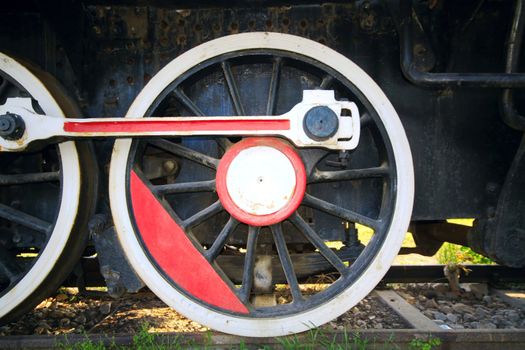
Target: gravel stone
456 326
105 308
44 325
440 288
428 313
103 314
445 309
431 304
479 290
440 316
64 322
513 316
469 309
462 308
452 318
61 297
481 313
467 317
80 319
487 325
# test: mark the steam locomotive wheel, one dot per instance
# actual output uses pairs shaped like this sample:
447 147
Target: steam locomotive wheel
233 219
45 194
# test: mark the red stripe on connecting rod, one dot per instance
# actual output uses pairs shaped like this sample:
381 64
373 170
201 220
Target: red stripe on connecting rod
175 253
144 125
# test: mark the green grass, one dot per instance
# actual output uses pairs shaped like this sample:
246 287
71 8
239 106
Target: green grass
318 339
143 340
429 344
314 339
457 254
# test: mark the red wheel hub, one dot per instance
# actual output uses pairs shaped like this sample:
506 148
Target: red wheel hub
261 181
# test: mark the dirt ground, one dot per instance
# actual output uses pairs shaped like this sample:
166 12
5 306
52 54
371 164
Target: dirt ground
70 312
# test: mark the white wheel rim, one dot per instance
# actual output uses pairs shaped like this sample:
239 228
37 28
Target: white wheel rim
265 327
69 200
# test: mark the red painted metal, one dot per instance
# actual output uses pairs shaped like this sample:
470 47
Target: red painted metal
269 219
175 254
145 125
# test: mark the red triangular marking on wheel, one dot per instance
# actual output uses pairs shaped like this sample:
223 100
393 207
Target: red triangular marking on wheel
175 253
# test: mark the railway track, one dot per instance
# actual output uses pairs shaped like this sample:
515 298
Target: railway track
418 329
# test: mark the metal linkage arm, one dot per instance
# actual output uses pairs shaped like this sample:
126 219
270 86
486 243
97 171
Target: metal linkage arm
317 121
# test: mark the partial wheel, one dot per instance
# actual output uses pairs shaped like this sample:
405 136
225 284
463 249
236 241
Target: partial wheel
46 197
253 236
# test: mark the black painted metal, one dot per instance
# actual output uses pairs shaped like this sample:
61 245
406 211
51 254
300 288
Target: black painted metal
508 108
320 123
434 273
493 274
12 126
111 52
412 73
501 236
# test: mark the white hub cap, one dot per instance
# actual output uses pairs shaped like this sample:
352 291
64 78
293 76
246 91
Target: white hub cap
261 180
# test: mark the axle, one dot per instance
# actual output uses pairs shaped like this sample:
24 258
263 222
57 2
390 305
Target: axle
316 121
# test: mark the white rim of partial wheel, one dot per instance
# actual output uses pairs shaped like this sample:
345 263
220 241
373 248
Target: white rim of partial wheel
279 325
70 192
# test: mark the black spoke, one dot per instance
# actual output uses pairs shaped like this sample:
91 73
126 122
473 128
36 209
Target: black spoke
249 263
217 246
3 86
223 142
274 83
9 269
233 89
365 120
326 82
346 214
26 220
185 187
350 174
196 111
286 262
185 152
18 179
202 215
187 102
314 238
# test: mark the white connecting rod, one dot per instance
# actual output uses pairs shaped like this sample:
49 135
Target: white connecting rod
316 121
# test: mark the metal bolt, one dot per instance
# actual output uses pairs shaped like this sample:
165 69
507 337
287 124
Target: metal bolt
320 123
492 187
17 238
12 126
